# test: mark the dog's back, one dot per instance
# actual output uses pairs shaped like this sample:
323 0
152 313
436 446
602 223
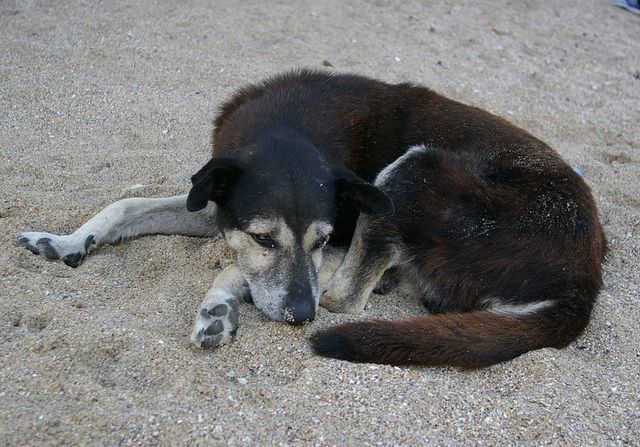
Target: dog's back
497 232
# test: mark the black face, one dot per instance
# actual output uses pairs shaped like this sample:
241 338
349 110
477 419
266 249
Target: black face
277 205
286 179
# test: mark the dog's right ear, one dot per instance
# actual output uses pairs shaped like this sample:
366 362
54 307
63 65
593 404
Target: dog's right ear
213 182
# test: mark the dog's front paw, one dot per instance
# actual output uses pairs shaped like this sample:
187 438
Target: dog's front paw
333 302
70 249
216 324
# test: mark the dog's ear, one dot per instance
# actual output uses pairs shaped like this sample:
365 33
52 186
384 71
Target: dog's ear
213 182
354 191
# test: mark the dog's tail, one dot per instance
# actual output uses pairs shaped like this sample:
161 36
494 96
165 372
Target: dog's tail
466 340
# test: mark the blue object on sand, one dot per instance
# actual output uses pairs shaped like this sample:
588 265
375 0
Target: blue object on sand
629 5
579 170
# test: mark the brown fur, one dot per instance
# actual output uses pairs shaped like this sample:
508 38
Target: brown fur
489 212
467 340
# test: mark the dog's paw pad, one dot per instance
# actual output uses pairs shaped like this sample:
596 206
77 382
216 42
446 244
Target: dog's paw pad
73 260
215 325
44 244
215 328
219 310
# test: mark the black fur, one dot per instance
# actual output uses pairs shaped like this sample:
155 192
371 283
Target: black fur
332 345
487 212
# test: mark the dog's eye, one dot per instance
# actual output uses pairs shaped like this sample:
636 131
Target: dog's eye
321 242
264 239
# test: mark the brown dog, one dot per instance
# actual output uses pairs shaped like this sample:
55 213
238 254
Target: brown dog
485 222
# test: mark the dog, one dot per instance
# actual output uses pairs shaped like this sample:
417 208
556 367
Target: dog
323 182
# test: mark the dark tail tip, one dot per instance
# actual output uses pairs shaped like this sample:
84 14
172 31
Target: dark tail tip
330 343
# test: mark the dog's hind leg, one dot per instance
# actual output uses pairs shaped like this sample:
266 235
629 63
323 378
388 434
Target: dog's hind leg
124 219
373 251
217 319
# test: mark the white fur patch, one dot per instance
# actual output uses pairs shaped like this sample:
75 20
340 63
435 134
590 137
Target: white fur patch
388 171
495 306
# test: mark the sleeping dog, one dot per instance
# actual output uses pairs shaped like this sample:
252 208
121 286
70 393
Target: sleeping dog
486 223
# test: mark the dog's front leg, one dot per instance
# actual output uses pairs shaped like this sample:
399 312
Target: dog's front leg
371 253
217 319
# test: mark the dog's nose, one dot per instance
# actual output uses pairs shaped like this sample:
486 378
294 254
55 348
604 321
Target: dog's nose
299 313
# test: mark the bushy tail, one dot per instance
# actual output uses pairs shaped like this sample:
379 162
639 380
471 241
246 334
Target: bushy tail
466 340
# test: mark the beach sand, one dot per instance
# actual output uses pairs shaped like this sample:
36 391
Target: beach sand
112 99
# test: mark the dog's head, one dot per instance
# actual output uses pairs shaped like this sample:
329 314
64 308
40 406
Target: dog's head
277 203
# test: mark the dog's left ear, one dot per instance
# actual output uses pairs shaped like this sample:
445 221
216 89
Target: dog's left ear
213 182
351 189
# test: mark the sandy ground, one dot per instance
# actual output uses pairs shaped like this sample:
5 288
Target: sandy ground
103 100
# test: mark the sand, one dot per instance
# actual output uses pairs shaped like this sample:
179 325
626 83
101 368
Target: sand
112 99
